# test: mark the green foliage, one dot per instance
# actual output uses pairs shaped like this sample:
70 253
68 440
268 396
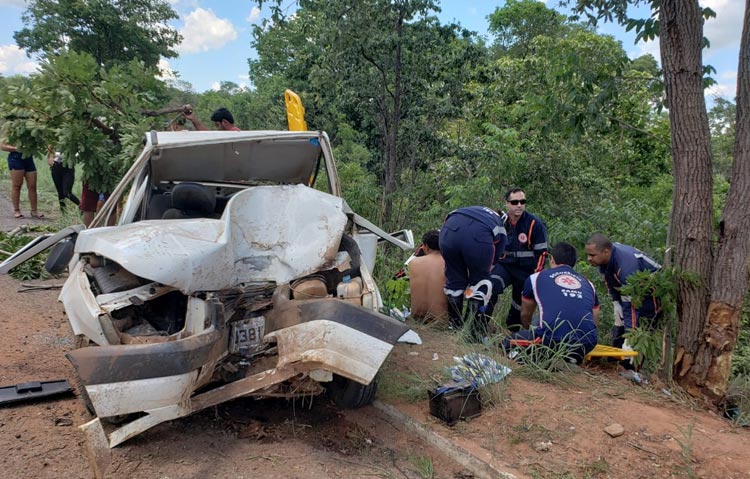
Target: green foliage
397 294
737 400
31 269
722 119
648 343
518 22
399 386
93 115
662 285
686 449
424 466
110 31
388 70
741 358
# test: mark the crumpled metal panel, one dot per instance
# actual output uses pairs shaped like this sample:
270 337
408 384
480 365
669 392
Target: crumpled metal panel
332 346
280 233
267 233
112 399
81 307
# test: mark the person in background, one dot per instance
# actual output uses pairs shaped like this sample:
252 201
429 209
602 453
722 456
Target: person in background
21 168
568 308
426 280
471 241
91 202
222 118
63 178
617 262
525 254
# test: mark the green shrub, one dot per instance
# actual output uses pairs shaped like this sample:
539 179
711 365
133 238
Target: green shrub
31 269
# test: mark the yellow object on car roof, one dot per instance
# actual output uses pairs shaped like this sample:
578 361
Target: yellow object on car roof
295 112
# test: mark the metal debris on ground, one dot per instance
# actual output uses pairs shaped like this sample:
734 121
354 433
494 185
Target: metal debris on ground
33 390
477 370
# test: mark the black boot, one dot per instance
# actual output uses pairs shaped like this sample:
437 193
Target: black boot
455 311
476 315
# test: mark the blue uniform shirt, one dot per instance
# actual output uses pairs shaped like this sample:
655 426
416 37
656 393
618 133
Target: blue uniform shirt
527 243
566 302
488 217
623 262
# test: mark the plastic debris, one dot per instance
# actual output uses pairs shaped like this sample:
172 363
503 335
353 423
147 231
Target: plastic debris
477 370
399 314
634 376
410 337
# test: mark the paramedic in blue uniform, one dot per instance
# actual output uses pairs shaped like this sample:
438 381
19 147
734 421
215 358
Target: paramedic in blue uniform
568 307
616 263
471 241
525 254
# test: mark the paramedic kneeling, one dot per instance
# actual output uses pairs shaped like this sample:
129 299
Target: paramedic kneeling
568 308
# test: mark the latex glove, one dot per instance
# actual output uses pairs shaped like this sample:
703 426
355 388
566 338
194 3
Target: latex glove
618 313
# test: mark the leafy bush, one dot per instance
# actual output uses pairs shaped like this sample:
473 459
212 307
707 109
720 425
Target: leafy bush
31 269
397 294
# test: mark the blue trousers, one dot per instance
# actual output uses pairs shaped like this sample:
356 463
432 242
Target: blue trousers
468 249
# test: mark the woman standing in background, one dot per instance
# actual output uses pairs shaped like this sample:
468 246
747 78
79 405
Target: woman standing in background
21 168
63 177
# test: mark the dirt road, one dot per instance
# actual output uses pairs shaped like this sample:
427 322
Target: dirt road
533 429
244 438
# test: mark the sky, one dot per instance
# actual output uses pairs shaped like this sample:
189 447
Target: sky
217 37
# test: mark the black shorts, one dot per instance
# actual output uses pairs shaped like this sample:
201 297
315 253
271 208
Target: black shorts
16 161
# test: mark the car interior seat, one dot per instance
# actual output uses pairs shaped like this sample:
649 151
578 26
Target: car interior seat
159 203
191 200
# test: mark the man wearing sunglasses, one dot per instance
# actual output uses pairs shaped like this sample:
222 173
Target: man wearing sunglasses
525 253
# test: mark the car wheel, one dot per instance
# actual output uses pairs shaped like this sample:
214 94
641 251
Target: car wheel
348 394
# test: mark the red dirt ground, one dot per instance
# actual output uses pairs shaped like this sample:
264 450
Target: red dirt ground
663 437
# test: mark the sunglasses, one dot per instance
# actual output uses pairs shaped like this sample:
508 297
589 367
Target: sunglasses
517 202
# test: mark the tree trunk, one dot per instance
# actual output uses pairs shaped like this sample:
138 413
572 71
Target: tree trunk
709 373
681 34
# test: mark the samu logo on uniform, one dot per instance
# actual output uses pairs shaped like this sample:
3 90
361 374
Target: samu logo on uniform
568 281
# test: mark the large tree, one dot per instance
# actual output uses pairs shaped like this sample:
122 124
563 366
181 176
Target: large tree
710 301
94 116
110 30
386 67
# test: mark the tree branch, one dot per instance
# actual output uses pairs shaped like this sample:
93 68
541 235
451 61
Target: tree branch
381 70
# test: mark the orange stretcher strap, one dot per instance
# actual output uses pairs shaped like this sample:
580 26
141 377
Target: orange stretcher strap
524 343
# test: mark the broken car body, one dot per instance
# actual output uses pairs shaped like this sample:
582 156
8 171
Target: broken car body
235 269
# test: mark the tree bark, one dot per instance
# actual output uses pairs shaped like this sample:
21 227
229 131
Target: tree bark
711 367
681 34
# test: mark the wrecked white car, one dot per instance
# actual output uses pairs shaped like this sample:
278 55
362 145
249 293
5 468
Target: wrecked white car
235 269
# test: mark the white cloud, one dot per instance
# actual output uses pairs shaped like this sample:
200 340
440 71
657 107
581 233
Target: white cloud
724 30
165 71
13 61
243 77
726 85
13 3
254 15
204 31
642 48
216 86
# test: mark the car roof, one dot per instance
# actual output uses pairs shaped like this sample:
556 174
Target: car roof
167 139
287 157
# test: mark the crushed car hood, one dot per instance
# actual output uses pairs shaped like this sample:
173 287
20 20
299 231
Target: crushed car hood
267 233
